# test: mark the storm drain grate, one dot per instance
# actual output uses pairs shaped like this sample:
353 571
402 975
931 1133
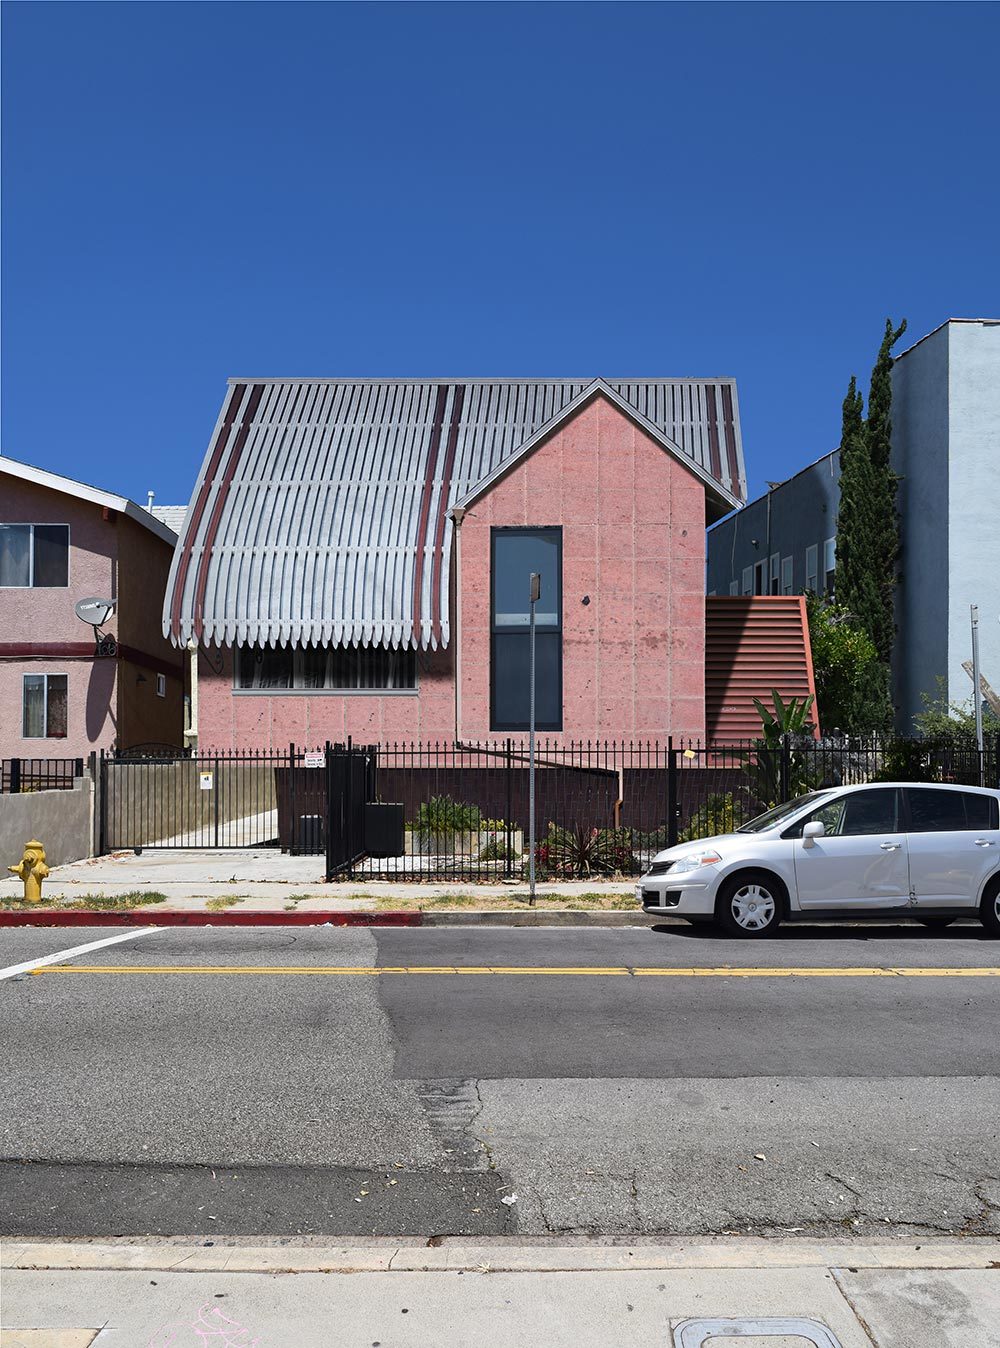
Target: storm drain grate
697 1333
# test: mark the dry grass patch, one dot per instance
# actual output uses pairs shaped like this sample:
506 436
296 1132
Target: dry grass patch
615 901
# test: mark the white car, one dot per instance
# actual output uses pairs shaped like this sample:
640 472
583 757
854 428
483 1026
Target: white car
896 849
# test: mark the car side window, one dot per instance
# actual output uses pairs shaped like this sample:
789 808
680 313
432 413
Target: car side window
830 815
933 811
871 812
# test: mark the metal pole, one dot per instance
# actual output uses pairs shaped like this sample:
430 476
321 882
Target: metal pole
535 592
977 692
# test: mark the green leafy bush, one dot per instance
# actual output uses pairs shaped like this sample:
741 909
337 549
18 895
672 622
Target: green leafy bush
718 813
442 814
496 850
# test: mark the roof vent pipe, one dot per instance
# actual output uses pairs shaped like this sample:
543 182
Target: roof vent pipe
149 501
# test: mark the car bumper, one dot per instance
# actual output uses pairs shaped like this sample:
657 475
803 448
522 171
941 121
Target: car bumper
682 896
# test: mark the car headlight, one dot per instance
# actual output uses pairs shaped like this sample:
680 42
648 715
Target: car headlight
693 862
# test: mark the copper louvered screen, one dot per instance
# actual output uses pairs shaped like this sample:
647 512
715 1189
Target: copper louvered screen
753 643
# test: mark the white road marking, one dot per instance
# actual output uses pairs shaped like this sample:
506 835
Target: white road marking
61 955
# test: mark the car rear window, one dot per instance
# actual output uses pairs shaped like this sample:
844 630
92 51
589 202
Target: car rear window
933 811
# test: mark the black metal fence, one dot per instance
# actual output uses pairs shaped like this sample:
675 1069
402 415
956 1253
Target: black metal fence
39 774
445 811
607 808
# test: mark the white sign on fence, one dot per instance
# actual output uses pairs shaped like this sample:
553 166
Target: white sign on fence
205 781
314 760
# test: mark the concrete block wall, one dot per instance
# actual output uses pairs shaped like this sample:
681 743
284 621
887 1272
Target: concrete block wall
63 821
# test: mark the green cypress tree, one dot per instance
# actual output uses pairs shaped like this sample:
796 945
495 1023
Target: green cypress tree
879 618
868 528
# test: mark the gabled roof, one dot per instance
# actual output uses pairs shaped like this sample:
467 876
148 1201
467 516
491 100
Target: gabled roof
322 510
171 516
41 477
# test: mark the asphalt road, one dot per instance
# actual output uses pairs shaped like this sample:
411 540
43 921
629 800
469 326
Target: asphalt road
710 1096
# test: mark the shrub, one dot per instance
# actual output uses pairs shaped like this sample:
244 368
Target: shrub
442 814
718 813
495 850
579 852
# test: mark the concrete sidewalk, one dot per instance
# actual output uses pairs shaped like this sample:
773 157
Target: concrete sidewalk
265 881
761 1294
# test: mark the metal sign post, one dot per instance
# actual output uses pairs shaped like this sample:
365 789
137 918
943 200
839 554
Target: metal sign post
535 594
977 696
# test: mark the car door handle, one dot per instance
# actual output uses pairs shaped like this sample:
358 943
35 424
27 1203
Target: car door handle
889 847
984 842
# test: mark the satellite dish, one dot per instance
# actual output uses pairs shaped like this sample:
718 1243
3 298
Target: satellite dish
94 611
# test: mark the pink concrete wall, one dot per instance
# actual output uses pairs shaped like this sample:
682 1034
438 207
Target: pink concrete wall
255 720
46 615
633 522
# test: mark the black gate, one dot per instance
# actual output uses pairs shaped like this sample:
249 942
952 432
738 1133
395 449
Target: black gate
305 802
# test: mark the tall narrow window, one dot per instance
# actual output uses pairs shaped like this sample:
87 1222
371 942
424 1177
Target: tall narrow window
34 556
775 573
786 575
43 706
812 577
734 587
748 580
760 578
829 564
516 554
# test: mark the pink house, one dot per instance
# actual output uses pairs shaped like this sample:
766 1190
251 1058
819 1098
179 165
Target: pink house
356 558
62 541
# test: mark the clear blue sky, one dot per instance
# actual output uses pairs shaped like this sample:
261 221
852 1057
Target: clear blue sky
194 191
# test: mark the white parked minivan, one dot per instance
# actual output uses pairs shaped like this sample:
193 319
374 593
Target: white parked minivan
891 849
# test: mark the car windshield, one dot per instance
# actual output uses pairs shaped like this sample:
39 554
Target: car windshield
771 818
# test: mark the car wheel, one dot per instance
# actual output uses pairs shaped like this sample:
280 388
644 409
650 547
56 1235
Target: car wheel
750 905
935 923
989 913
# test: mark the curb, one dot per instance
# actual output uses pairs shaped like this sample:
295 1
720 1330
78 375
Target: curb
501 1254
150 917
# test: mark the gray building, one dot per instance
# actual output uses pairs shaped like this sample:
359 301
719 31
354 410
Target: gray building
946 450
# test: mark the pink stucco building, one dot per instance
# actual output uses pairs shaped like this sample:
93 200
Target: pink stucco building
62 541
356 558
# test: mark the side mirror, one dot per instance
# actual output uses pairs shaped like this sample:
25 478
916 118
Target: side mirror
813 830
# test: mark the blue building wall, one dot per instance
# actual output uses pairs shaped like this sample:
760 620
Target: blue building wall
946 451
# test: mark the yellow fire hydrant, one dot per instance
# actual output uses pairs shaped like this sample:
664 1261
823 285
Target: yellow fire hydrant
32 870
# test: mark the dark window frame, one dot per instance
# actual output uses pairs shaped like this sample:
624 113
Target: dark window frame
292 689
541 629
46 677
32 525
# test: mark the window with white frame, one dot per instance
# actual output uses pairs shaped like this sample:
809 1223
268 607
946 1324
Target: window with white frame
734 587
161 685
748 580
775 586
829 564
34 556
326 669
786 575
43 706
760 578
812 560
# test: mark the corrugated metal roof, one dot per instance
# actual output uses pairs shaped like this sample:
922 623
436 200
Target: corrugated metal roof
321 512
753 643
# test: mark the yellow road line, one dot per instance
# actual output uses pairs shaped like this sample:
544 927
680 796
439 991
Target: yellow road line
372 971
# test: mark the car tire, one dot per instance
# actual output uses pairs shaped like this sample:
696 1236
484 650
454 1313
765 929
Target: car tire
750 905
935 923
989 913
